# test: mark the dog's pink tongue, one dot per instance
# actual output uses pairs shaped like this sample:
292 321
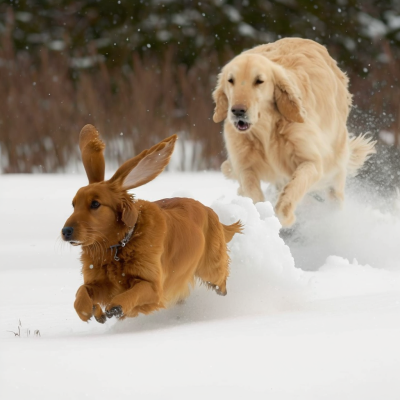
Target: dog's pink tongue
243 125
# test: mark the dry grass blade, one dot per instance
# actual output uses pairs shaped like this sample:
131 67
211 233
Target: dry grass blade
36 332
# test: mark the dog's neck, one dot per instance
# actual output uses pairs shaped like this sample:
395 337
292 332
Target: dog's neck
97 254
123 242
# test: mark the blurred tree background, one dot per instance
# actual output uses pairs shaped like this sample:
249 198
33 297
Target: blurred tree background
142 70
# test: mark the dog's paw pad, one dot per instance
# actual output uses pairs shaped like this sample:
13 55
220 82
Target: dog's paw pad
115 312
220 292
101 319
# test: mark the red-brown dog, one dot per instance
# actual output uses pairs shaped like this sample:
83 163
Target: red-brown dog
139 256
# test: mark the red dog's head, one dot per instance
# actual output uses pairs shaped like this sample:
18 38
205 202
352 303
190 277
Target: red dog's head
104 211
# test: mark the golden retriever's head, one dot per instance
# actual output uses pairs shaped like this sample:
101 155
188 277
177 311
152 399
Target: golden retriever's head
102 213
104 210
251 86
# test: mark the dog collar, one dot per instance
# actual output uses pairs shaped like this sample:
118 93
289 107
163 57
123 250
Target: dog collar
122 243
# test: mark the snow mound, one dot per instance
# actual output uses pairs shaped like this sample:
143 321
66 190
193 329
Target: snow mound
358 230
263 273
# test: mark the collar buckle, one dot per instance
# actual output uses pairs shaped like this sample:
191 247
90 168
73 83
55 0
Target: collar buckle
122 243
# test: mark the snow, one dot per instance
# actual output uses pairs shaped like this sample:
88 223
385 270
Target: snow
372 27
312 315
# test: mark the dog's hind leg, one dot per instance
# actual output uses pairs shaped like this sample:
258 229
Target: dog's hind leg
214 274
219 289
213 268
338 186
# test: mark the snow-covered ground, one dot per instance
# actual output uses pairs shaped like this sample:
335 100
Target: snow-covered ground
314 317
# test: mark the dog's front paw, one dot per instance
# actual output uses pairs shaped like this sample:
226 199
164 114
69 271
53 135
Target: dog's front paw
285 212
98 314
83 306
227 170
114 311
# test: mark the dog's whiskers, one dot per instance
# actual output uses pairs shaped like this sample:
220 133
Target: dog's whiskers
95 249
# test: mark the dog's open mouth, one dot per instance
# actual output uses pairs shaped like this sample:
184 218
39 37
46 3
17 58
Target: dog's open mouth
242 125
75 242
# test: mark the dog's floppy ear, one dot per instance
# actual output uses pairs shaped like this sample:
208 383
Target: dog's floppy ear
129 213
92 148
221 102
146 166
288 97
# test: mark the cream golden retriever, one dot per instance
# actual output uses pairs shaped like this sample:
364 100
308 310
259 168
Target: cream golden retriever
285 106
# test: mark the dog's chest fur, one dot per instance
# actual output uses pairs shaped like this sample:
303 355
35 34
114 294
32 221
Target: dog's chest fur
112 273
117 276
139 259
269 154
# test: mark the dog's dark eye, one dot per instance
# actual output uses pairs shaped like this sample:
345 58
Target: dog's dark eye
259 81
95 204
230 80
73 205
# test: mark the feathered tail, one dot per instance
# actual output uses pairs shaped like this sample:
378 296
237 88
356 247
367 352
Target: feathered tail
361 148
230 230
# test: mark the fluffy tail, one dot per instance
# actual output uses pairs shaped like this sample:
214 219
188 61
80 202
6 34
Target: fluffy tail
230 230
361 147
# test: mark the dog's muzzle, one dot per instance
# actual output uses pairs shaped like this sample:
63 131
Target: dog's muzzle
67 235
240 117
242 125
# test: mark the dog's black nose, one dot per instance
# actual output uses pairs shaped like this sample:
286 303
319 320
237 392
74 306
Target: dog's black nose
239 110
67 232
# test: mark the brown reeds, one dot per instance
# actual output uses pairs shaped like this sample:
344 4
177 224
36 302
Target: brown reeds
44 103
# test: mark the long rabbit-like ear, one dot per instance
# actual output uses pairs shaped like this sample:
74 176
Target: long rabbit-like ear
221 102
92 148
288 97
146 166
